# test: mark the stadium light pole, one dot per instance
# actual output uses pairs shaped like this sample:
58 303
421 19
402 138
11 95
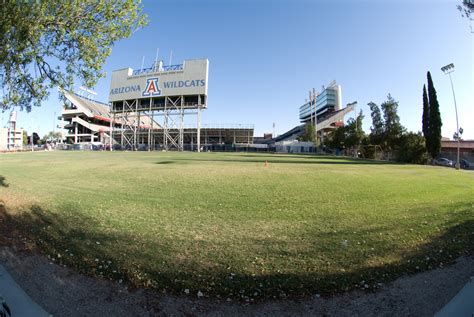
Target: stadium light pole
448 69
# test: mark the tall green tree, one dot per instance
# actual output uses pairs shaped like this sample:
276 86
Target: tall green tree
435 123
25 137
51 136
354 132
309 133
426 115
48 43
337 138
351 135
392 128
413 149
377 128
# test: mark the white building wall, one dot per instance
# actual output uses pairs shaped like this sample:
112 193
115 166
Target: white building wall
16 141
294 147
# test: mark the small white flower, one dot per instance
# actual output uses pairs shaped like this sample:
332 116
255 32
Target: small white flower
200 294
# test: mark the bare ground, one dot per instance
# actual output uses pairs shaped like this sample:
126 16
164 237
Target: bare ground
63 292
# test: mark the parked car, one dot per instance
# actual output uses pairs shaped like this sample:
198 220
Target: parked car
465 164
78 147
442 161
142 147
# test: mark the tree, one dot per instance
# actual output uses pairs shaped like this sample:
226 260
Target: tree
377 128
466 8
51 137
426 115
36 138
435 123
337 138
412 149
25 137
309 133
350 135
49 43
392 128
354 133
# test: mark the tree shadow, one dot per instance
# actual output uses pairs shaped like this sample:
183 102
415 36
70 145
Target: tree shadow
165 162
75 239
3 183
281 160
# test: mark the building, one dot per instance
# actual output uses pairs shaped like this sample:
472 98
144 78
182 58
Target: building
324 110
324 103
11 137
85 120
449 149
147 110
11 140
166 95
163 94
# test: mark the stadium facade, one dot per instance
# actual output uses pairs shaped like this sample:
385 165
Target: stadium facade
147 110
88 121
321 104
324 110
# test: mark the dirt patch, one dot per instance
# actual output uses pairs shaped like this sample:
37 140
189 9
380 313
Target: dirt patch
63 292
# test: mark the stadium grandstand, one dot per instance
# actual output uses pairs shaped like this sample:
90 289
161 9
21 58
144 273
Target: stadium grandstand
89 121
324 110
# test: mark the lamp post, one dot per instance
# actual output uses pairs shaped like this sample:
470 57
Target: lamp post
448 69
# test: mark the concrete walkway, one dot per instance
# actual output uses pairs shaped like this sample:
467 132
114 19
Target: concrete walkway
64 292
17 302
462 304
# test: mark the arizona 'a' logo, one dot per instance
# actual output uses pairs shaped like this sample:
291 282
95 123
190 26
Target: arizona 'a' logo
151 88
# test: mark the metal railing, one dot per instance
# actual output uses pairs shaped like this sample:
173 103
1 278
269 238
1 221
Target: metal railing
221 126
156 69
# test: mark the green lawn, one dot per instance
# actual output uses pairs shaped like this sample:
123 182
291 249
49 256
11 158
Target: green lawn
226 225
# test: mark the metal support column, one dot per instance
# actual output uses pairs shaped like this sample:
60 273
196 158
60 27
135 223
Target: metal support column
150 128
111 132
199 128
173 126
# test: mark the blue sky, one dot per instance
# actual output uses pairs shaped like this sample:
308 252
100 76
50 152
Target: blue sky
265 55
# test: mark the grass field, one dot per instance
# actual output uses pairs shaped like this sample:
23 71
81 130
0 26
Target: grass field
227 226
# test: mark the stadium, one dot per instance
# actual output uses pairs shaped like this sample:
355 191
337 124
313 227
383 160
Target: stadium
151 109
148 109
246 227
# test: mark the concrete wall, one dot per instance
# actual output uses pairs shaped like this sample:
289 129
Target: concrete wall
4 139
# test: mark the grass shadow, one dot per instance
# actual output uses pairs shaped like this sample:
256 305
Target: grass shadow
165 162
3 183
281 160
72 238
